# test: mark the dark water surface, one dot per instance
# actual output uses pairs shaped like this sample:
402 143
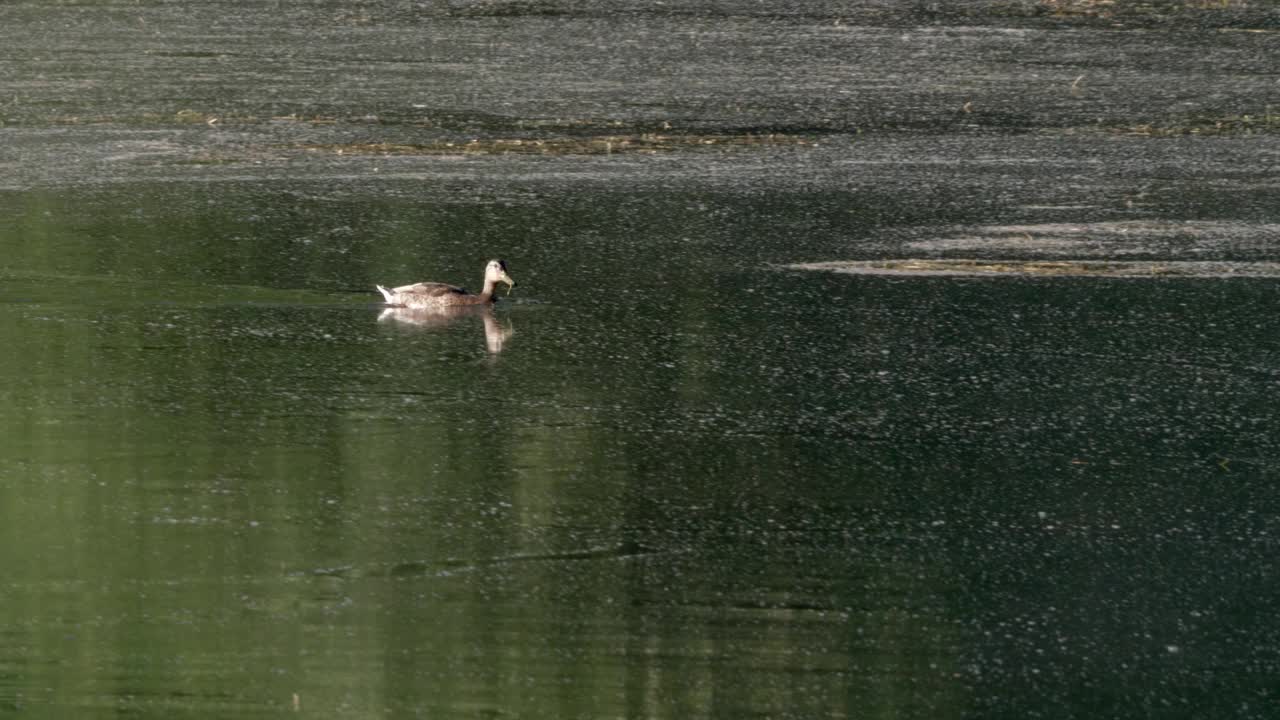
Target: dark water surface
668 477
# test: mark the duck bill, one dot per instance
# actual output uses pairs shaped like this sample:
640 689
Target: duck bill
507 279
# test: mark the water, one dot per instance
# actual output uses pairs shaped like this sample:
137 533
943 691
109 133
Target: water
669 476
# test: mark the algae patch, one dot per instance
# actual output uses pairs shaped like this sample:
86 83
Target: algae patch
642 143
1049 268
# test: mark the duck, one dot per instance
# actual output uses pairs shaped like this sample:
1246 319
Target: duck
436 295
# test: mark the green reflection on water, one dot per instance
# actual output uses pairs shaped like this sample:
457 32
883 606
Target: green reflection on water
224 482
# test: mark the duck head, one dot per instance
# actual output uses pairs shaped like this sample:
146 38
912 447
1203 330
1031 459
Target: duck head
495 272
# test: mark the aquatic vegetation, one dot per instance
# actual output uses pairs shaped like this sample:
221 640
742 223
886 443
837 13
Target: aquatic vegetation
643 143
1243 124
1111 8
1088 268
490 135
1080 7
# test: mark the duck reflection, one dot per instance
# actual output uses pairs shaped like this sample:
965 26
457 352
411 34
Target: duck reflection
495 335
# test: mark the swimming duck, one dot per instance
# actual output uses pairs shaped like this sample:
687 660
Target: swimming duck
433 295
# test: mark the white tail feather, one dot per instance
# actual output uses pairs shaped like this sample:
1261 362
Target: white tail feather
386 294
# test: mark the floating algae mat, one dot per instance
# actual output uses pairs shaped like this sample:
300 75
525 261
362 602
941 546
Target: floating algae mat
644 143
1086 268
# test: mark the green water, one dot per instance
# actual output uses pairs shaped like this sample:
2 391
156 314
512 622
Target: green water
679 485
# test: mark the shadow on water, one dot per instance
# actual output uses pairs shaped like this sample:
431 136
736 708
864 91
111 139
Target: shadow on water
695 483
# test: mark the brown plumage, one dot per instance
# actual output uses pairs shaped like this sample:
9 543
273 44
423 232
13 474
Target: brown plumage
432 295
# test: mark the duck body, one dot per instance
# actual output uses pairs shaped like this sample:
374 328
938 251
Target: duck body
431 295
439 295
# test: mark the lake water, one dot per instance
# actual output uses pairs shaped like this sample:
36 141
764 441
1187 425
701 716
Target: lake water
669 476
